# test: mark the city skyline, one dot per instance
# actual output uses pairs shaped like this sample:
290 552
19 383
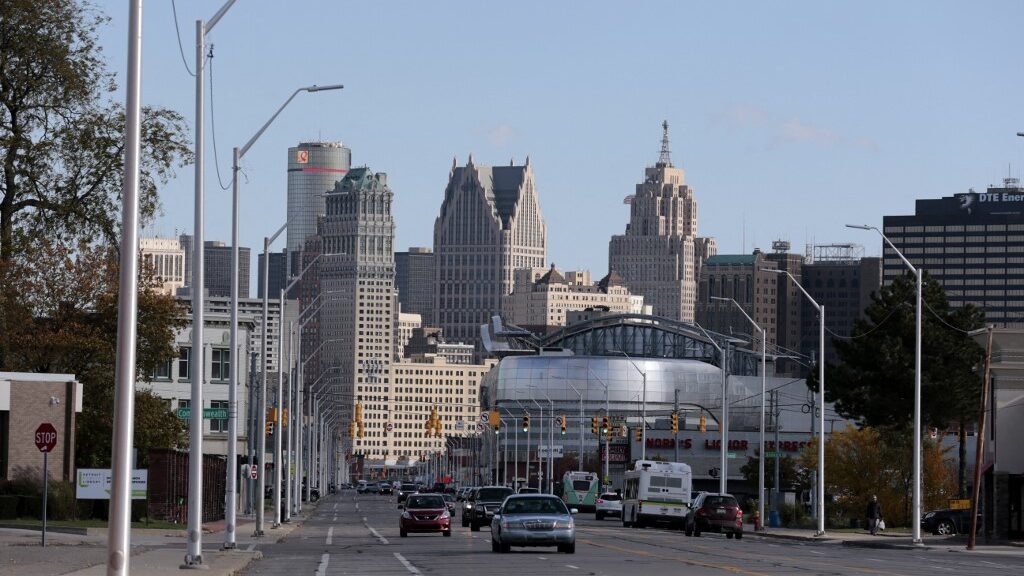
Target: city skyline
769 114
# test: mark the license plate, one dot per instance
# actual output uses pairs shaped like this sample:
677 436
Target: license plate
721 511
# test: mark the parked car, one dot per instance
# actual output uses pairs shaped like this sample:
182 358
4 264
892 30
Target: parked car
482 505
715 512
946 522
362 487
608 504
533 520
405 490
425 513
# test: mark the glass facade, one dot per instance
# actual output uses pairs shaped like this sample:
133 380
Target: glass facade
313 169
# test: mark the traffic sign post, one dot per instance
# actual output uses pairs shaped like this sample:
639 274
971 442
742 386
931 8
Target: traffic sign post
46 441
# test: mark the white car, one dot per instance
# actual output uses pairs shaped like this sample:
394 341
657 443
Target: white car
608 504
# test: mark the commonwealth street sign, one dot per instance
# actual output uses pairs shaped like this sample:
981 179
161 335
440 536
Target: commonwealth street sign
208 413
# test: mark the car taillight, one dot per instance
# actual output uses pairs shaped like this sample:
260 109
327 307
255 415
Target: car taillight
599 501
701 512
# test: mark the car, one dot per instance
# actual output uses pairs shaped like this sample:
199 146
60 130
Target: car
608 504
363 487
715 512
425 513
404 490
385 488
533 520
482 505
449 500
464 493
528 490
947 522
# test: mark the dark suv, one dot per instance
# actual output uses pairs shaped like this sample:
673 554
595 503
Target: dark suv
946 522
712 512
482 504
405 490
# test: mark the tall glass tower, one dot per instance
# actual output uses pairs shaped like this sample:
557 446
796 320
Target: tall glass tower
313 169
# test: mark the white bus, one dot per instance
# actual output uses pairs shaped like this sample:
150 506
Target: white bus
656 492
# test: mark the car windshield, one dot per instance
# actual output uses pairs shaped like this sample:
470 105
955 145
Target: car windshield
721 501
408 487
492 494
612 497
534 506
425 502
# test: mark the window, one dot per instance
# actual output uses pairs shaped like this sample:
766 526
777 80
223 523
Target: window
219 425
184 363
162 371
221 364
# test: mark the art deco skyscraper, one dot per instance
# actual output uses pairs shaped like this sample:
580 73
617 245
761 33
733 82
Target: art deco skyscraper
659 256
355 279
490 224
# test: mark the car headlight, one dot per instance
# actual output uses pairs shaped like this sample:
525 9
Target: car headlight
445 514
929 515
511 524
406 515
563 524
469 506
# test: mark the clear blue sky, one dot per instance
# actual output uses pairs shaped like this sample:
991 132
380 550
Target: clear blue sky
790 118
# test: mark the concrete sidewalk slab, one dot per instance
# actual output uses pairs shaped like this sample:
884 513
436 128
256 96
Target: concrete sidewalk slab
167 561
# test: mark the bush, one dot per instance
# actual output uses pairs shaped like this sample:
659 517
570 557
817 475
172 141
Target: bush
9 506
792 515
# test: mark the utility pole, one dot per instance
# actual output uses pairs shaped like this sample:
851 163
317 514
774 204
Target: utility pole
675 436
778 454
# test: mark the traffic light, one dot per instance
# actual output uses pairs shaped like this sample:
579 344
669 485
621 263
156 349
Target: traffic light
351 429
359 413
526 423
269 429
639 433
675 422
703 426
496 426
561 423
284 420
605 427
593 425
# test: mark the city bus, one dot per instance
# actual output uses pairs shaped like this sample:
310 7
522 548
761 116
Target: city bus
656 492
579 489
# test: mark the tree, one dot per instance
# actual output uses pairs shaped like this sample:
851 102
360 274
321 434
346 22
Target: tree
874 383
791 476
67 323
61 137
863 462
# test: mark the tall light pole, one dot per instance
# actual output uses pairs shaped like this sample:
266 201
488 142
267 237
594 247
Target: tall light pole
236 157
723 425
643 424
764 380
194 553
607 410
515 475
119 541
915 513
821 394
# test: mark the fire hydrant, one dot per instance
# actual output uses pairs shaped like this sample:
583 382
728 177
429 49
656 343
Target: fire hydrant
757 520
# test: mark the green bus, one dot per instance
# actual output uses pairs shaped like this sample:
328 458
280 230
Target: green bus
579 489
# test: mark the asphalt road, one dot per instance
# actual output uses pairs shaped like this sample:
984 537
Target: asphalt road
358 534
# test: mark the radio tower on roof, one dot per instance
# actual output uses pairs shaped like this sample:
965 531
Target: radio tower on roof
665 158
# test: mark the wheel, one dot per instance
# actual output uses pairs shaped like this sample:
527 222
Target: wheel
739 535
945 528
447 533
729 535
598 516
494 546
567 548
688 532
465 522
504 548
403 533
474 527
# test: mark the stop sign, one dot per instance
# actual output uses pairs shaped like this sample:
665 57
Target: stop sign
46 437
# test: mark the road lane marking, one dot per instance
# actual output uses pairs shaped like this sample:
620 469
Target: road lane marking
541 558
321 570
993 564
251 547
933 567
382 539
816 552
571 566
330 535
408 565
335 506
684 560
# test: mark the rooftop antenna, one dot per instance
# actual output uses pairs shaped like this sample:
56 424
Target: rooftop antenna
665 158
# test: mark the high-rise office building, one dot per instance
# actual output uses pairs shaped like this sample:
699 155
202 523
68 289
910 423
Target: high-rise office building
167 260
790 309
743 278
277 276
659 256
490 225
354 278
313 170
972 244
217 267
414 280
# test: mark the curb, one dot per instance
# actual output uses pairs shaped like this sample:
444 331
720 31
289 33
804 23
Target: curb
55 529
884 545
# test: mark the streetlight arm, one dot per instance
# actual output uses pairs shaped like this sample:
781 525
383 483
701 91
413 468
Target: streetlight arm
795 282
256 136
742 311
270 240
299 276
887 241
216 17
708 336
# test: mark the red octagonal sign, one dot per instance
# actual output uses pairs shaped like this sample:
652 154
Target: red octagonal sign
46 437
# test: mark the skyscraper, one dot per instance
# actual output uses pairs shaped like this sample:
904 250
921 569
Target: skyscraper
313 169
414 280
659 256
356 275
490 224
276 276
217 267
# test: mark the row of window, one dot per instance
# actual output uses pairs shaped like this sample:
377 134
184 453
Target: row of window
220 366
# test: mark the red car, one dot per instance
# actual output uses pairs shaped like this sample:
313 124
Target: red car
712 512
425 513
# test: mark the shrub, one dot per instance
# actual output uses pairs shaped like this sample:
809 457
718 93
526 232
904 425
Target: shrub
9 506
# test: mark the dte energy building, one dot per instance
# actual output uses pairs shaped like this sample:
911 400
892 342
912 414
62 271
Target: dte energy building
972 243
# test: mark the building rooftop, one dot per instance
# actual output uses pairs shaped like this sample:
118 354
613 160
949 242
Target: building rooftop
722 259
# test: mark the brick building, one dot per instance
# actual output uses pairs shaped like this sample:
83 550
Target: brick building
26 401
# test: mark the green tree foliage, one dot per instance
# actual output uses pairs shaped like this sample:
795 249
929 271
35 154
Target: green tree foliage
874 384
863 462
791 475
61 138
67 323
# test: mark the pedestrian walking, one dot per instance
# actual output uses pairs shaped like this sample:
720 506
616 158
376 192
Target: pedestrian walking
874 515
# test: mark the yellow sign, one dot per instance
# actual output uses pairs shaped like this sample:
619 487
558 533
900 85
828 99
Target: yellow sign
494 418
955 504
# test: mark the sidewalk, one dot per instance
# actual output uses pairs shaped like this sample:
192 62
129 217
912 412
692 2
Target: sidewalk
153 552
892 541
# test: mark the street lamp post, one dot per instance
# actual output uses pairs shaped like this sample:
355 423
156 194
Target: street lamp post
607 411
764 377
915 513
723 426
821 394
643 418
579 461
515 475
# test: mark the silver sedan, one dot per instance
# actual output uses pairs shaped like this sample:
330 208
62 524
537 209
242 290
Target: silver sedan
533 520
